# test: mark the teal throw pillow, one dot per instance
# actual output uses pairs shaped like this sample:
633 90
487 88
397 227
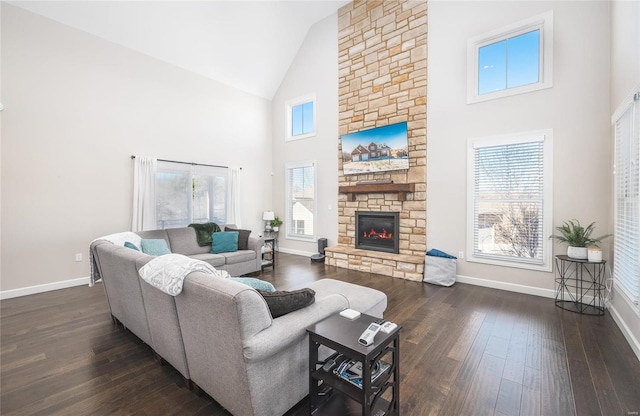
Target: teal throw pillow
131 246
224 242
255 283
155 247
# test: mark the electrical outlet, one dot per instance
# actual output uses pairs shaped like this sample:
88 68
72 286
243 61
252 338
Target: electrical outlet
78 256
460 254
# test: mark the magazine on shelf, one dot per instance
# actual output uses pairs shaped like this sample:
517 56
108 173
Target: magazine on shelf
351 371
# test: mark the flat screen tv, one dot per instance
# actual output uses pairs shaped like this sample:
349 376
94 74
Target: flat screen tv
379 149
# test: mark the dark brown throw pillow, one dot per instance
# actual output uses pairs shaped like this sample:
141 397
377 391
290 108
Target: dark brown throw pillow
282 302
243 237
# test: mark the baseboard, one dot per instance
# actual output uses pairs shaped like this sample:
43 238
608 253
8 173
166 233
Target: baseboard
633 342
47 287
296 252
511 287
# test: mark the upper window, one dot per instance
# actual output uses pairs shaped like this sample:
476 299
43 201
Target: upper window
509 200
512 60
187 194
301 200
301 117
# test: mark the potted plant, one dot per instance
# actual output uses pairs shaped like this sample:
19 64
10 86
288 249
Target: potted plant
276 223
577 237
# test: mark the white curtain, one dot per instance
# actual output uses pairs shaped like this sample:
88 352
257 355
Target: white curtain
144 199
234 216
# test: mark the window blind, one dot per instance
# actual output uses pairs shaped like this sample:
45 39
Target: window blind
626 258
301 200
508 198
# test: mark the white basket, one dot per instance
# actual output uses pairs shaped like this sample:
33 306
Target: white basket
439 270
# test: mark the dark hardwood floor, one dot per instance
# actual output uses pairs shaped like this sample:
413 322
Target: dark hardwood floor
465 350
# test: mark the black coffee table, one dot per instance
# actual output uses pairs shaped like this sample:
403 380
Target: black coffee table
377 398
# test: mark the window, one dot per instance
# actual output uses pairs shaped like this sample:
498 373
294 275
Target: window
301 117
512 60
626 241
301 200
188 194
509 200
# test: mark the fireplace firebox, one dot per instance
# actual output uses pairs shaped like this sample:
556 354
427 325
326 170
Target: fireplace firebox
377 231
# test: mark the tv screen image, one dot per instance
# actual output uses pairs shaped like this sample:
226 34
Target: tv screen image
379 149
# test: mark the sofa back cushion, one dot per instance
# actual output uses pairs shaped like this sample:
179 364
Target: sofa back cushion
122 284
216 315
154 235
183 241
243 237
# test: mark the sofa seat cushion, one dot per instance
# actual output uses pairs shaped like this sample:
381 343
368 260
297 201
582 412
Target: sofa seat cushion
239 256
216 260
362 299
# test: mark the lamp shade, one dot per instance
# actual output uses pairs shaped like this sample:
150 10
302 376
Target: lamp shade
268 216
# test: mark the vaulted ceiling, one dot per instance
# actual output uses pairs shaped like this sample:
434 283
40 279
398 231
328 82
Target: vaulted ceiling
248 45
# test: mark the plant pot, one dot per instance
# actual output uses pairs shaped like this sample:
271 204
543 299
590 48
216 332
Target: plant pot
577 252
594 254
276 229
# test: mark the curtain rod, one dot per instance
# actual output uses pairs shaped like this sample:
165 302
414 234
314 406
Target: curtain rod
189 163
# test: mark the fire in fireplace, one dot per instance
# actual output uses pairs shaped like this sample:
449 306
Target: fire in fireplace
377 231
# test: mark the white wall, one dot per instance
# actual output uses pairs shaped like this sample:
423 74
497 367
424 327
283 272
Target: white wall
76 108
315 69
576 108
625 77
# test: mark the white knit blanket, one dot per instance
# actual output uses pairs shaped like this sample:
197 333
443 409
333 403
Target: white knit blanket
118 239
167 272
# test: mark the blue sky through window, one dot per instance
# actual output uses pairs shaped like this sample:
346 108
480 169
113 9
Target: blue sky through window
509 63
302 119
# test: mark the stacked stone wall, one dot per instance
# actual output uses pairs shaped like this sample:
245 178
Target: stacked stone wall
382 64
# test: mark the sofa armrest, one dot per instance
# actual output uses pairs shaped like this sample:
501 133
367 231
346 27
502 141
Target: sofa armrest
255 244
291 327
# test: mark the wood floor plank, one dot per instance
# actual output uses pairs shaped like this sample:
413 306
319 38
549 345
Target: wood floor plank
509 398
557 394
531 402
465 378
465 350
586 399
483 394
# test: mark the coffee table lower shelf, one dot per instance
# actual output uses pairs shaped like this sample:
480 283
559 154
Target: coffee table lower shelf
341 404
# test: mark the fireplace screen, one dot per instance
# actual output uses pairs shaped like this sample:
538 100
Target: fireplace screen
377 231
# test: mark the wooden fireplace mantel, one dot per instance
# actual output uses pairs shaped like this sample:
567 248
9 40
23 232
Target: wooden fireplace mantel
400 188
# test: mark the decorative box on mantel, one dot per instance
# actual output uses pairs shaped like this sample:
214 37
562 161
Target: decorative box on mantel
400 188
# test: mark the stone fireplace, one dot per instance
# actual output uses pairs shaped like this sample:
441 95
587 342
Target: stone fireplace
382 69
377 231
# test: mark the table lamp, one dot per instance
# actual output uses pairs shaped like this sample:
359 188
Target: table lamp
268 216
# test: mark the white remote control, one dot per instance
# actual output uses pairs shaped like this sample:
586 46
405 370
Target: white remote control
387 327
369 334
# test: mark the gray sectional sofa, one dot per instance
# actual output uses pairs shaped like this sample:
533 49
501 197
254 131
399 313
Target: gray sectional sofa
219 333
184 241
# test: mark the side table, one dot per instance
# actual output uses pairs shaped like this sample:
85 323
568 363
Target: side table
341 335
269 255
272 234
579 285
